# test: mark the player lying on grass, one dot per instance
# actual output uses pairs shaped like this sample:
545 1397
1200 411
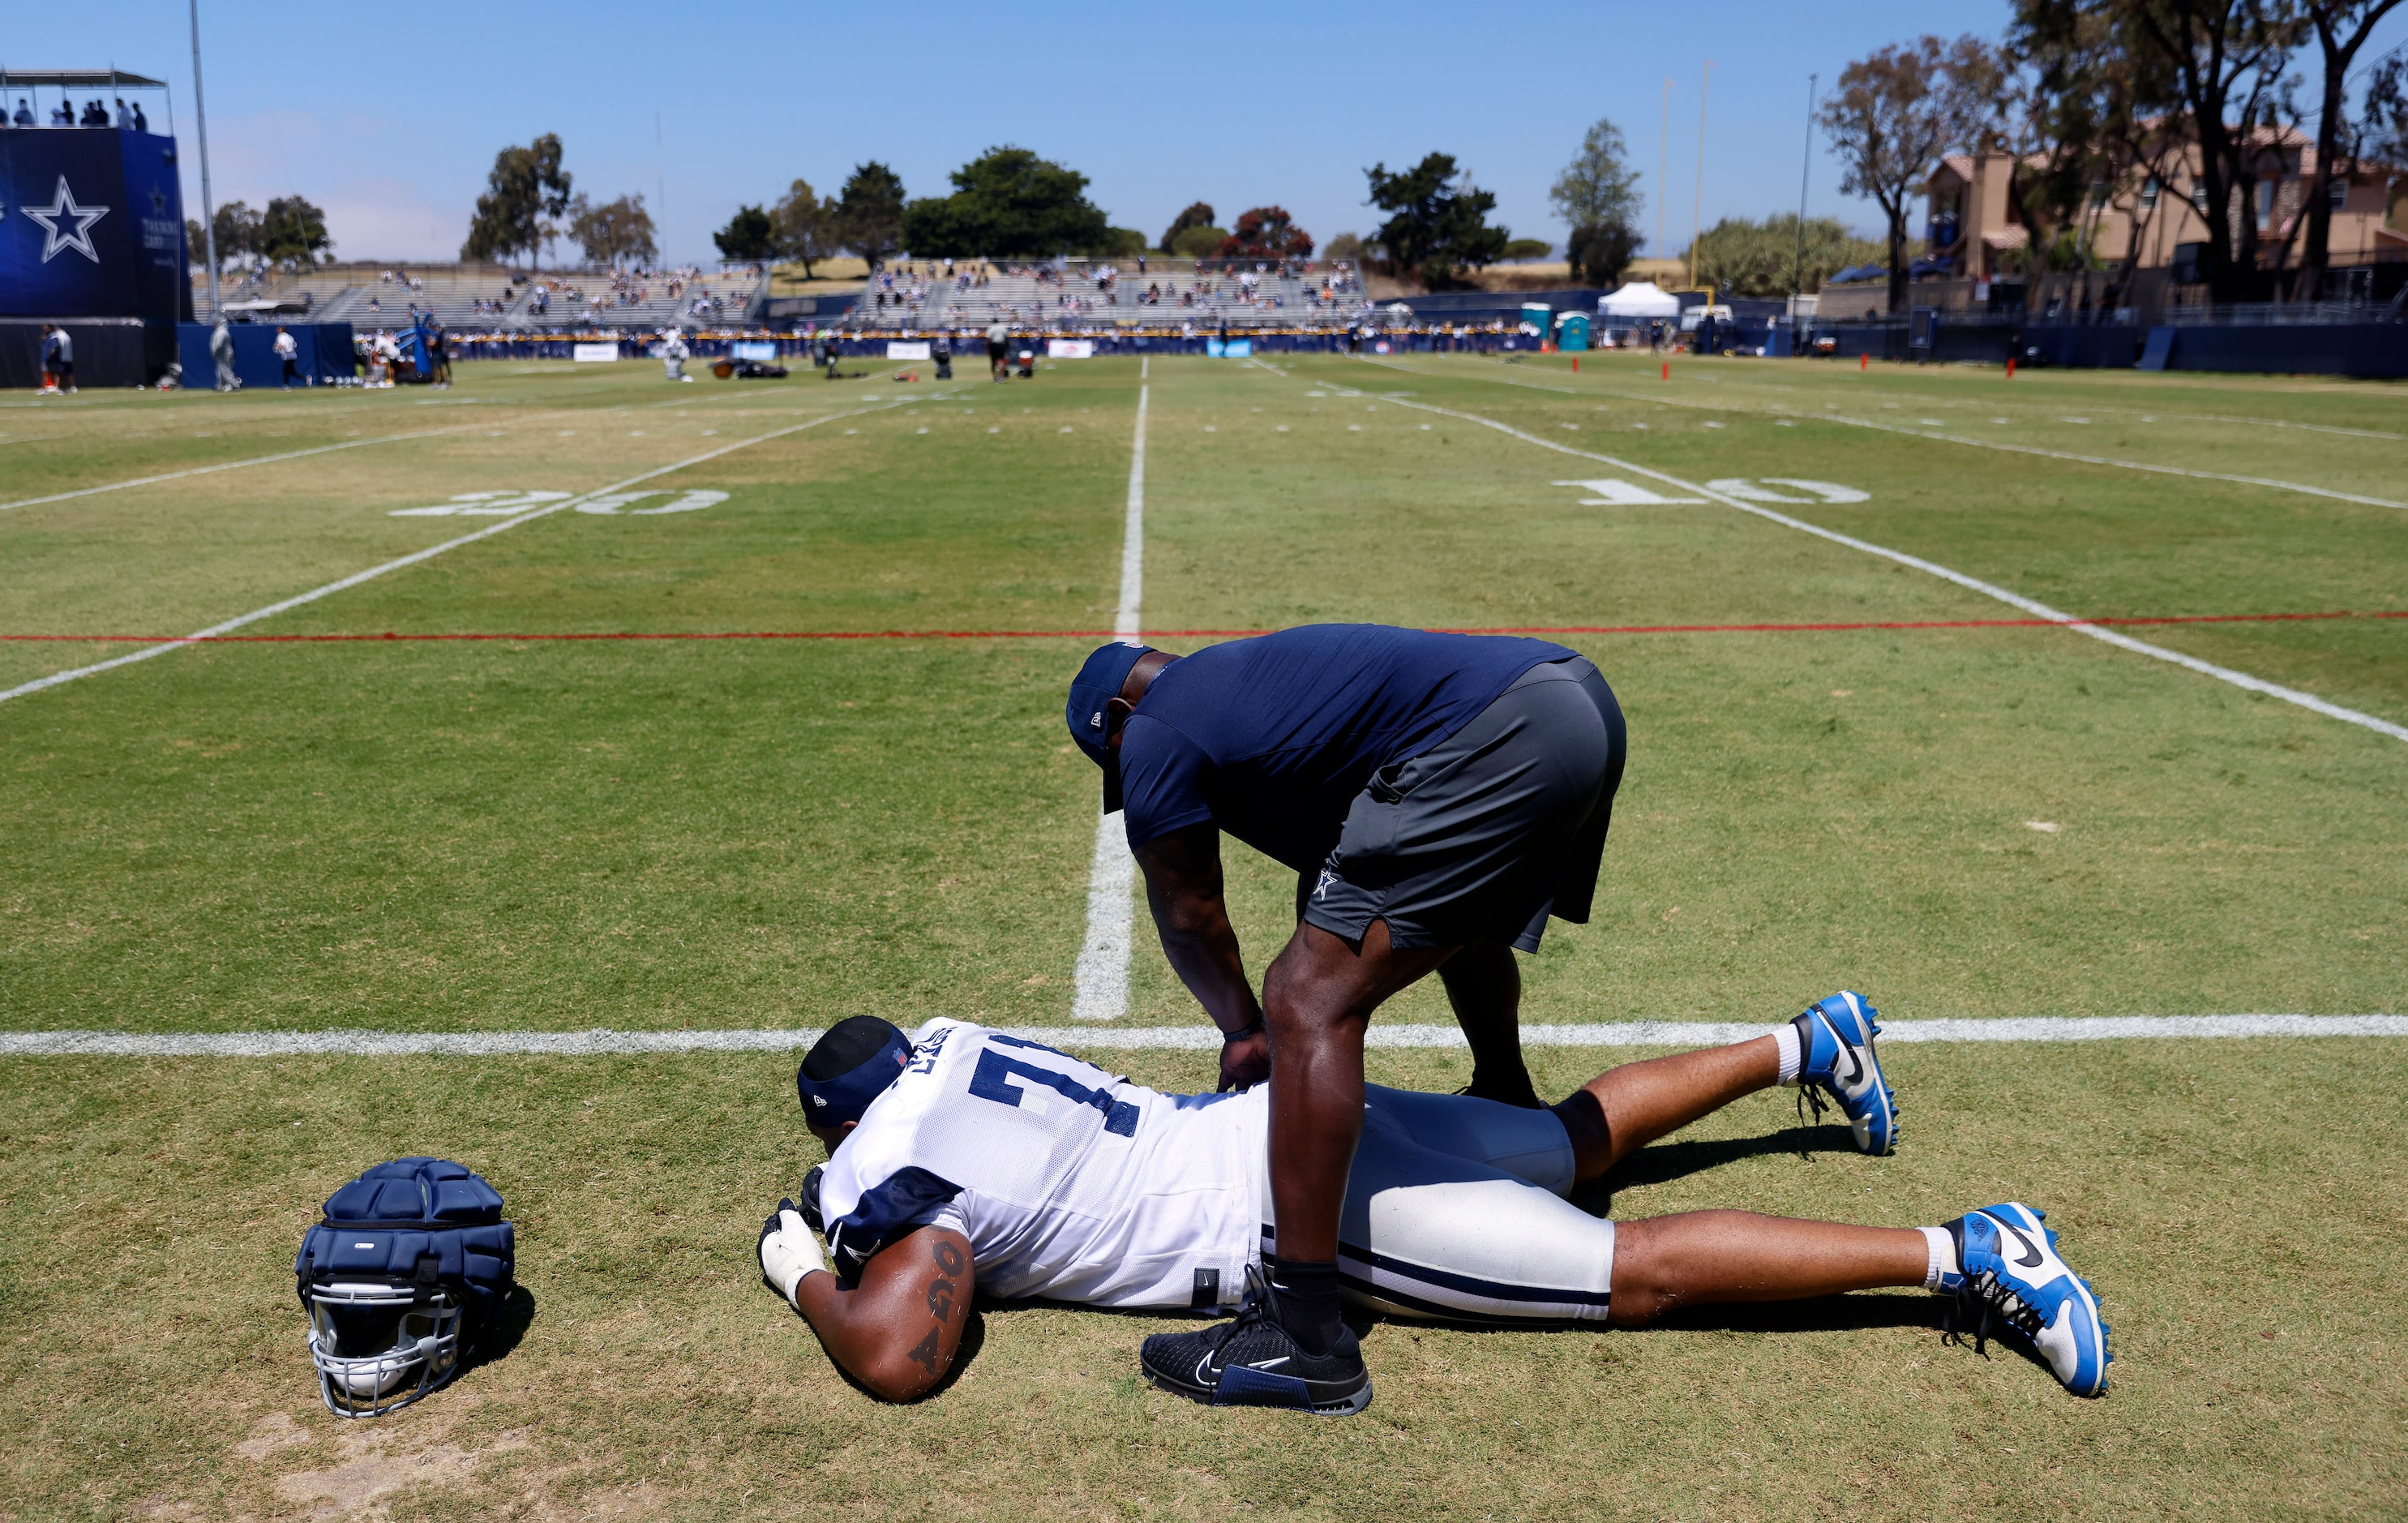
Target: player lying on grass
970 1158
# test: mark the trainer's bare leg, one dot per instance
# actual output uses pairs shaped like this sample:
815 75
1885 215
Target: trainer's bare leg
1318 996
1624 1109
1483 983
1701 1258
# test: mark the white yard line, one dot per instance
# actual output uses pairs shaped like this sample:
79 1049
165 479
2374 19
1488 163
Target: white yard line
1099 984
2038 610
596 1043
238 465
1927 433
56 678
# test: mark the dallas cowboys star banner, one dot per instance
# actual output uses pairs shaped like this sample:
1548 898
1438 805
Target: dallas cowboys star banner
91 225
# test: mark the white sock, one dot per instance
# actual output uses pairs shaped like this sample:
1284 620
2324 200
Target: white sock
1786 1039
1943 1249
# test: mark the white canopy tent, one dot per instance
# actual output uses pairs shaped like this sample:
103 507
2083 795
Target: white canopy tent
1639 299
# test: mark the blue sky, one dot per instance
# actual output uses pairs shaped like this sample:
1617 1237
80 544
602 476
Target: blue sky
389 115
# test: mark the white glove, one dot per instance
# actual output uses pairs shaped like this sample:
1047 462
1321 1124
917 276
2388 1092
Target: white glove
788 1250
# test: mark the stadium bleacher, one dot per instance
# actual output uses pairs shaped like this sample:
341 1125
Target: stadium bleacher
475 298
1241 295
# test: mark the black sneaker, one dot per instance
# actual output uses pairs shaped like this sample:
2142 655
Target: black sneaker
1253 1363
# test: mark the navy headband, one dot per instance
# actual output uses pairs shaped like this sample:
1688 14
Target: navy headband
832 1102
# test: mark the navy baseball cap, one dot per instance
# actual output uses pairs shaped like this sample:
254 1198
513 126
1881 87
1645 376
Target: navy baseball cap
1097 683
850 1066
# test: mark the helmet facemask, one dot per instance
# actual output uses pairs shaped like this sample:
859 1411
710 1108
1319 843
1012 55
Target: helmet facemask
380 1345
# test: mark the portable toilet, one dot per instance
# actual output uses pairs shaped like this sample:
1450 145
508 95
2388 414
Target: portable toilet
1537 319
1571 331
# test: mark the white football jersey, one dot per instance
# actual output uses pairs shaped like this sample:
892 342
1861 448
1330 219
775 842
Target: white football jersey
1069 1183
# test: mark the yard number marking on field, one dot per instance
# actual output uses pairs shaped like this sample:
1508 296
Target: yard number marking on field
2038 610
541 511
1099 984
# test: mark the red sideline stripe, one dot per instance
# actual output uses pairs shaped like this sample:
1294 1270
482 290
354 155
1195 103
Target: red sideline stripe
1227 633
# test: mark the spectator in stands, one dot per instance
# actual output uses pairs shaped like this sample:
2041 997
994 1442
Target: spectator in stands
124 117
63 115
93 115
25 112
288 354
141 122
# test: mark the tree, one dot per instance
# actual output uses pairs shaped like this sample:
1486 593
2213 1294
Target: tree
1267 233
2341 28
613 231
1749 258
1007 202
1598 196
1198 214
1438 220
870 213
1893 115
2383 124
525 188
750 235
1344 246
1198 242
2223 67
237 230
805 225
293 233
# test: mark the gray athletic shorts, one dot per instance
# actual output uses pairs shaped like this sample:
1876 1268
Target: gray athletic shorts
1483 836
1455 1212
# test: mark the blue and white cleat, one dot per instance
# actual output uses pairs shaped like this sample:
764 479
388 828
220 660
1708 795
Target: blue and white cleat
1835 1056
2013 1280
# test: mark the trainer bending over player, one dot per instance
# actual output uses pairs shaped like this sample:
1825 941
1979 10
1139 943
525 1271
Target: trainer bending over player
1440 797
968 1159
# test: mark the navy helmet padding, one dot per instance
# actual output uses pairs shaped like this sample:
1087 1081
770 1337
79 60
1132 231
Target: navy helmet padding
426 1222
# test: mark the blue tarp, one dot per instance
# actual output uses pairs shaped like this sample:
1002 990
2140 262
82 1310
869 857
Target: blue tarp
325 353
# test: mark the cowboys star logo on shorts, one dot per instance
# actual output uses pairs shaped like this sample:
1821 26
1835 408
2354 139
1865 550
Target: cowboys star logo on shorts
1328 876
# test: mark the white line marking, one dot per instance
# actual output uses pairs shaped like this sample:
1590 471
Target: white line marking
594 1043
1921 433
1099 984
2038 610
56 678
234 464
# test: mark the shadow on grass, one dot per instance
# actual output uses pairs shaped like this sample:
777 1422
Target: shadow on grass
498 1338
1665 1162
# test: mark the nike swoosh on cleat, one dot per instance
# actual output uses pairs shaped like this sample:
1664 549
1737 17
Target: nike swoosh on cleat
2029 1247
1270 1364
1857 1066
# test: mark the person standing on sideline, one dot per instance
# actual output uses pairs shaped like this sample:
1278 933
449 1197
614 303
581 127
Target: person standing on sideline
288 355
221 351
1440 796
58 360
439 353
999 347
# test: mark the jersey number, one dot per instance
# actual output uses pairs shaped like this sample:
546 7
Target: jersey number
993 1079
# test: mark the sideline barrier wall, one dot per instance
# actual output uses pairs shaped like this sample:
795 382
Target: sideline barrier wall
2369 350
326 356
108 350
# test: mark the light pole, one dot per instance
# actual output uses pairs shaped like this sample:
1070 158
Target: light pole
1698 212
201 125
1797 276
1663 167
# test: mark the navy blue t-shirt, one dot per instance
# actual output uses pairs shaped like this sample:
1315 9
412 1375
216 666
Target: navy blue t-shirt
1270 738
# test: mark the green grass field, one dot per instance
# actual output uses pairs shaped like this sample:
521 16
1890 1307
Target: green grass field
532 833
